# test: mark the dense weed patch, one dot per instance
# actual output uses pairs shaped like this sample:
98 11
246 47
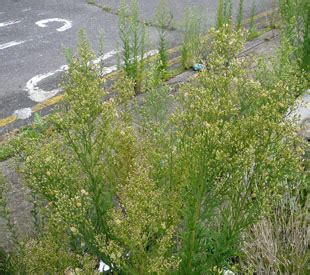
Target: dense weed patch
170 183
167 185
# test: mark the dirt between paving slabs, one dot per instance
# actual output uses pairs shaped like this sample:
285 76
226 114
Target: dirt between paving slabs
16 215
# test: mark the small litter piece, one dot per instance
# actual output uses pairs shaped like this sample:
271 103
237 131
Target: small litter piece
228 272
103 267
198 67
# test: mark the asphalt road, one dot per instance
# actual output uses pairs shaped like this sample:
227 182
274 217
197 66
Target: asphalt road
33 35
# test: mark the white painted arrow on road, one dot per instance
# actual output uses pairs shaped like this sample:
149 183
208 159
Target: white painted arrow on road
67 23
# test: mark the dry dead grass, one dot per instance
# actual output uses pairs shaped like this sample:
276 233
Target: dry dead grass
279 243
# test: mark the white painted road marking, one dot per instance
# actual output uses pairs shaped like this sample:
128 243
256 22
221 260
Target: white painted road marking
37 94
4 24
108 70
149 54
23 113
11 44
67 23
105 56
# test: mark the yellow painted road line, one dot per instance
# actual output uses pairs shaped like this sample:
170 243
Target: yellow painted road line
46 103
7 120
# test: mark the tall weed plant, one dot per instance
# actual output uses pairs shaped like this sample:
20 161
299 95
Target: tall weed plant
240 14
97 177
252 28
163 19
224 12
194 29
296 24
226 165
133 38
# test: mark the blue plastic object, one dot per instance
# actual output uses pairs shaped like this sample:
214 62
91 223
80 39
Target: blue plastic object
198 67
